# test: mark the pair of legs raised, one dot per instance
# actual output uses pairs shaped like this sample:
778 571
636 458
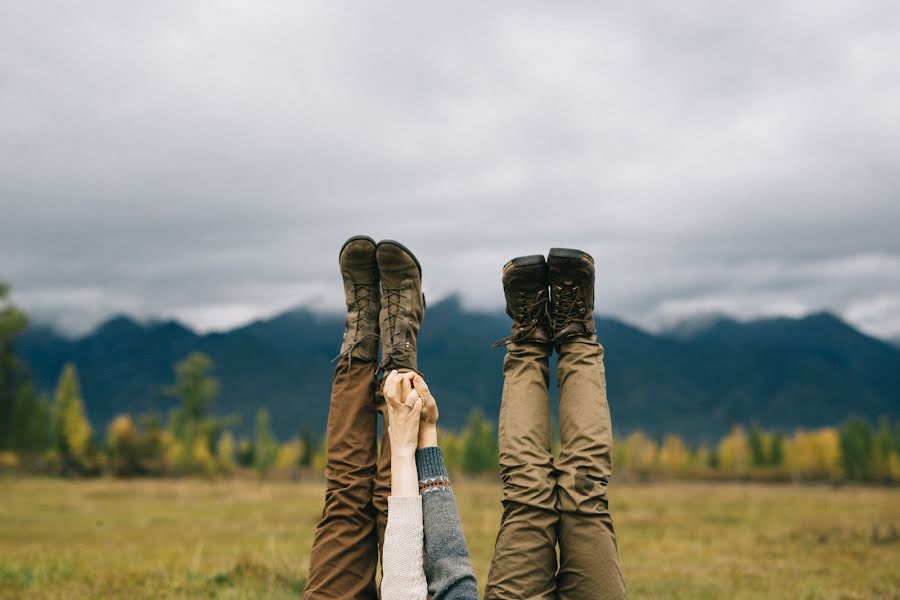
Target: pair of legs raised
545 502
382 287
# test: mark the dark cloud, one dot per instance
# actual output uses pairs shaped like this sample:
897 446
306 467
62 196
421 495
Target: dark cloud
205 161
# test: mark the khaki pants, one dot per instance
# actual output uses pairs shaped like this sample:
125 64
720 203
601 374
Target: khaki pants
345 548
545 504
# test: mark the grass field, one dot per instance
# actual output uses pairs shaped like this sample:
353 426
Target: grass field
246 539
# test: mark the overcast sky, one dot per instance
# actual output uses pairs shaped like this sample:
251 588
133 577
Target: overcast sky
205 160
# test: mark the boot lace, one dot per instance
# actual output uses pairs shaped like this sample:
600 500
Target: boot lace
393 302
568 306
362 299
531 310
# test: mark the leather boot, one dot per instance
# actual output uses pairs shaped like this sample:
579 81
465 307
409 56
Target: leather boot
525 287
360 273
571 293
402 305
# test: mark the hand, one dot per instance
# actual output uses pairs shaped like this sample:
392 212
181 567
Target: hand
428 422
404 407
429 405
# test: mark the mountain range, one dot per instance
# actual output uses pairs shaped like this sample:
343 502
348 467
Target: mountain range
696 381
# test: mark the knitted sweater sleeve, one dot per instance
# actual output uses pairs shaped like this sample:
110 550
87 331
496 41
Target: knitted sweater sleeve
447 567
401 564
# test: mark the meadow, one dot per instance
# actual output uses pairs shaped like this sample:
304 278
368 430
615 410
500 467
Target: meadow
243 538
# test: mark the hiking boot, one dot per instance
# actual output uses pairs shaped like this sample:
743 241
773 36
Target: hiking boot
525 287
402 305
572 293
360 273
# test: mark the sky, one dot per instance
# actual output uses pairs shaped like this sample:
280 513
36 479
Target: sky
205 160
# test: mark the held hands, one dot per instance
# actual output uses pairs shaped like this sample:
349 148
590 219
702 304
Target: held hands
401 393
404 407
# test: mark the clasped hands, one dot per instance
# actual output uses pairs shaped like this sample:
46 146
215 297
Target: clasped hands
412 413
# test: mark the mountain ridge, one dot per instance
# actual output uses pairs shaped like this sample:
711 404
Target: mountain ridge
781 372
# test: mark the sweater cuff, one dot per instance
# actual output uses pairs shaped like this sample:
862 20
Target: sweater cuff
432 472
405 509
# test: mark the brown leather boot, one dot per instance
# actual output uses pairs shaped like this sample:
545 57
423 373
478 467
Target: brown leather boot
402 305
571 292
360 273
525 287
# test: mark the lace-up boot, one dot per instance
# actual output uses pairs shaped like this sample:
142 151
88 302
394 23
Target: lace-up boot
402 305
571 275
525 287
360 273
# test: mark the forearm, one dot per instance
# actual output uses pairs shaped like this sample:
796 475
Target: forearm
428 435
404 480
447 567
402 574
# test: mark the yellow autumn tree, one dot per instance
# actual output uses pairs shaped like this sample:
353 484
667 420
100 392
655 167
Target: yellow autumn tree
700 460
674 456
288 455
225 451
814 454
123 442
73 431
734 452
202 457
641 454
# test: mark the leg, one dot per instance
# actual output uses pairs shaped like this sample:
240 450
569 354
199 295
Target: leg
524 564
382 475
344 554
402 311
589 560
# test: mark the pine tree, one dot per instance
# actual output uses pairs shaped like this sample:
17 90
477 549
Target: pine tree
883 446
12 376
776 449
31 422
757 446
265 444
480 450
857 448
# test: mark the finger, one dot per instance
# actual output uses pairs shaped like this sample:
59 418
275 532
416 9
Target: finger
390 390
411 398
416 411
405 383
421 387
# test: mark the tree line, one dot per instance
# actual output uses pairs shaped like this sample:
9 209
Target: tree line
39 434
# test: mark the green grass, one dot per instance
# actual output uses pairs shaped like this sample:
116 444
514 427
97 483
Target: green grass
248 539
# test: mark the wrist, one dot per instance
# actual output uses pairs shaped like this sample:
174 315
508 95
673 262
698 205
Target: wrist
428 435
403 454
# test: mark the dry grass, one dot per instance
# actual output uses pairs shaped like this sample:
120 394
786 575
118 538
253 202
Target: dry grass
244 539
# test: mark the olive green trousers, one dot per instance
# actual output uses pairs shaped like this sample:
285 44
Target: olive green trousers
548 503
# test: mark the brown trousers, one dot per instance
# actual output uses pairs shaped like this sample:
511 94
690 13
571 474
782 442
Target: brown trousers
545 504
345 548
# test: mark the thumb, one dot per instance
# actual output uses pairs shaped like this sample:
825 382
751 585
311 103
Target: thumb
416 409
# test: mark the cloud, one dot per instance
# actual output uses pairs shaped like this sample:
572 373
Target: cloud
206 160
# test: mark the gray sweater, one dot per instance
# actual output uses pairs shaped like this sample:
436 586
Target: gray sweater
447 567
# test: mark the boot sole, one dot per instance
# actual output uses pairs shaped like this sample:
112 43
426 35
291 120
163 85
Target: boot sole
405 249
528 261
356 238
567 255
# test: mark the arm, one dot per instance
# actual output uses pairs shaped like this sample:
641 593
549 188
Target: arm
447 567
403 577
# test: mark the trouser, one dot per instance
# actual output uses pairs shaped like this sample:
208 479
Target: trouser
345 548
545 504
